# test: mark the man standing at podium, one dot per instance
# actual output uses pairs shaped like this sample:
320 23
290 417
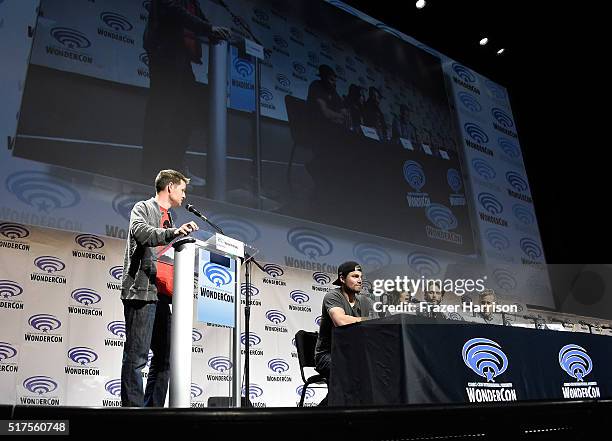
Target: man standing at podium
341 306
145 292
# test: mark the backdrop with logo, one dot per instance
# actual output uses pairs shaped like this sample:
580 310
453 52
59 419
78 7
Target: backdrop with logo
76 90
63 328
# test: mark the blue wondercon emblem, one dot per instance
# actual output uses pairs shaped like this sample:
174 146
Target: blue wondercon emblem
217 274
574 360
485 357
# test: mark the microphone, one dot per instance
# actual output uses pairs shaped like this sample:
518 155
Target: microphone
606 327
193 210
583 323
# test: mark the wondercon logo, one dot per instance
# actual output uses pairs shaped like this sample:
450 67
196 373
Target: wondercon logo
116 272
442 217
309 242
116 21
523 214
531 248
280 42
497 239
220 364
483 169
299 68
144 58
495 90
117 328
113 387
265 94
490 203
254 339
453 178
8 288
44 322
504 279
196 335
243 290
275 316
255 391
85 296
423 264
485 357
41 191
414 175
49 264
196 390
371 255
240 229
476 133
261 14
217 274
299 296
13 231
464 73
243 67
502 118
273 270
574 360
318 321
82 355
123 203
283 80
308 394
6 351
89 241
517 182
321 278
40 384
70 38
509 147
278 365
469 102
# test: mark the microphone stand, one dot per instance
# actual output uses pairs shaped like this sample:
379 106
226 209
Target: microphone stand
247 306
582 322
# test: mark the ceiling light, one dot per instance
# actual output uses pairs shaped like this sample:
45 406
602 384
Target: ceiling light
484 41
501 51
420 4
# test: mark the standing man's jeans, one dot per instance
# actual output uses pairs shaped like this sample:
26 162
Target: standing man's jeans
147 326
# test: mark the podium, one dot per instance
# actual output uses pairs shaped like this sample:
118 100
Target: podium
225 257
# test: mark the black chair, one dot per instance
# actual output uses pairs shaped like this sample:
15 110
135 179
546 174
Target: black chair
305 344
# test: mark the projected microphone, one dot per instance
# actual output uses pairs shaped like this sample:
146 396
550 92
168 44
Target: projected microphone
606 327
563 322
193 210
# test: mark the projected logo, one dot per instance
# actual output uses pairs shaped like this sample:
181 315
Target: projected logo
243 290
321 278
117 328
44 322
275 316
6 351
374 256
196 335
82 355
9 289
116 21
483 169
475 132
455 316
299 296
310 393
517 182
470 102
265 94
243 67
453 178
497 239
313 58
574 360
502 118
89 241
309 242
116 272
299 68
40 384
255 391
523 214
485 357
237 228
531 248
442 217
123 203
273 270
85 296
490 203
217 274
49 264
41 191
280 42
13 231
261 14
278 365
464 73
144 58
70 38
414 175
495 90
254 339
196 390
113 387
423 264
509 147
283 80
220 363
504 279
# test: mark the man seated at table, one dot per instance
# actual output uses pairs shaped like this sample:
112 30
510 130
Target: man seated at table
341 306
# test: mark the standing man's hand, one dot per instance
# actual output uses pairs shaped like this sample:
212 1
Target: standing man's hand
221 33
187 228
